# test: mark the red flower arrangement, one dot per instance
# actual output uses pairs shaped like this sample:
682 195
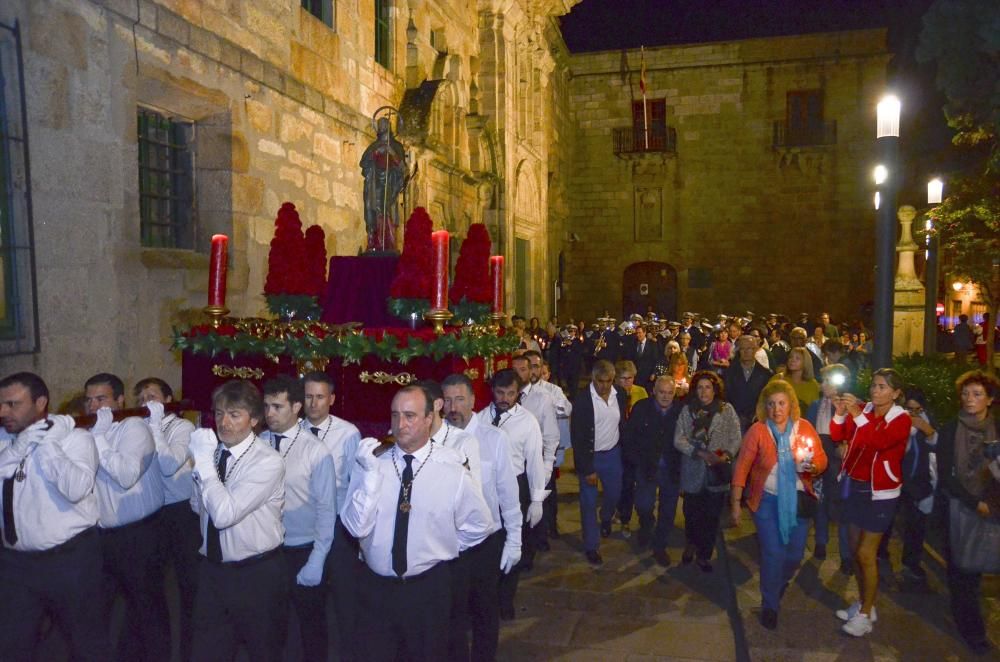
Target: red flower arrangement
315 262
285 267
472 271
415 269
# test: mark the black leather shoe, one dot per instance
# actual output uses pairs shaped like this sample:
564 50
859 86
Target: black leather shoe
595 557
705 565
819 552
605 529
769 619
661 557
688 555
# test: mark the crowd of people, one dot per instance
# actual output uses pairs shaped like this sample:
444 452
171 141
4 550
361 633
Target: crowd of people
280 504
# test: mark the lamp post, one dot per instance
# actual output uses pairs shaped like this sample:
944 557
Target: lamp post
887 180
934 189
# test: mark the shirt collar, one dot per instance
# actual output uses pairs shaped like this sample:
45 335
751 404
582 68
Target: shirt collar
242 447
420 456
611 398
289 433
326 422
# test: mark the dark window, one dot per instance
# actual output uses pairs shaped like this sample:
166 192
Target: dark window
383 33
655 113
804 111
18 297
321 9
166 180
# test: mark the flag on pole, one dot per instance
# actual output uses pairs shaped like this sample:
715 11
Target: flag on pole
642 88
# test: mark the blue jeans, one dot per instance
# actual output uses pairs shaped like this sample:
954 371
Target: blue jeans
778 561
645 495
608 466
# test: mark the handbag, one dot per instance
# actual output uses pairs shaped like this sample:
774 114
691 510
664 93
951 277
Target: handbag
806 505
720 474
974 540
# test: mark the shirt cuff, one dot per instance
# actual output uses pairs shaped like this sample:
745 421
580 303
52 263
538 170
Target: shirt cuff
839 419
860 420
539 495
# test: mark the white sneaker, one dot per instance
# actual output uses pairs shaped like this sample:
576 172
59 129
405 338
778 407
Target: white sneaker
858 626
853 610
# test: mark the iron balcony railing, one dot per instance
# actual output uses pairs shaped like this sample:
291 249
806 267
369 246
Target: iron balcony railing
633 140
801 135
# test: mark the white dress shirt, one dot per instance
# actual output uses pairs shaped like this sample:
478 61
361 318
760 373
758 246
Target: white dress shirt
541 405
563 406
606 418
310 509
247 507
525 438
499 483
463 443
448 512
341 438
761 356
129 487
172 438
56 500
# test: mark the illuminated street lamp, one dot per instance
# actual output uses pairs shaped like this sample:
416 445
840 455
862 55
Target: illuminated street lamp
935 187
887 180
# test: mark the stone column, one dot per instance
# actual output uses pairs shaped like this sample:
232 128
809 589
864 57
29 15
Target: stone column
908 316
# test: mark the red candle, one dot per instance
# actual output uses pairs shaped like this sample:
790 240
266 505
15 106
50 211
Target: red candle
217 271
496 273
439 242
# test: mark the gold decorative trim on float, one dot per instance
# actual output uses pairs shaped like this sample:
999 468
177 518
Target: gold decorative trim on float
379 377
241 372
472 373
503 364
317 364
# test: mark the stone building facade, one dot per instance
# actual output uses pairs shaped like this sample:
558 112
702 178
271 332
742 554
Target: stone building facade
754 191
271 104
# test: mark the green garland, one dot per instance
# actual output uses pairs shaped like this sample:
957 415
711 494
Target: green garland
471 310
403 308
304 340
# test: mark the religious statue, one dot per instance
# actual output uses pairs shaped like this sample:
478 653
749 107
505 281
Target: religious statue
384 168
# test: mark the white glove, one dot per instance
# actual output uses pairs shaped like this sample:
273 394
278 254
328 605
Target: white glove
509 557
33 434
155 413
104 420
366 454
202 447
534 513
61 426
311 574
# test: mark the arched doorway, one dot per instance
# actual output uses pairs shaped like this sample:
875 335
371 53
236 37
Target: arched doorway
649 286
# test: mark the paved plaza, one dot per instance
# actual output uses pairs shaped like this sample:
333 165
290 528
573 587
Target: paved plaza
631 609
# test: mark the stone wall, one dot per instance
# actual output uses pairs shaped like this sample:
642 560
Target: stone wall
746 225
282 106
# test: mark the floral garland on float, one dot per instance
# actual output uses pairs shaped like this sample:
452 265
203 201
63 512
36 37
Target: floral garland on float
297 276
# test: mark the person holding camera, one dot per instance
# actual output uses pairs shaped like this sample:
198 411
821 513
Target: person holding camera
968 453
876 433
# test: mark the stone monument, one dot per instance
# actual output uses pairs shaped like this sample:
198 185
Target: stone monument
908 309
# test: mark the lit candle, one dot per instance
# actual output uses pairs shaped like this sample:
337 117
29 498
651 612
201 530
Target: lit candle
217 271
496 273
439 242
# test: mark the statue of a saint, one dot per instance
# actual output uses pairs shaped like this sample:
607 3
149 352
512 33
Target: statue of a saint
383 166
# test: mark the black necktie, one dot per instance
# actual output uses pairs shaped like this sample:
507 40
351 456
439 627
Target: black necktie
496 417
213 545
277 442
315 430
402 520
9 532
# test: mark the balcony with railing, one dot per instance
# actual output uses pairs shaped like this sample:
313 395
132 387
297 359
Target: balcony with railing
636 140
823 132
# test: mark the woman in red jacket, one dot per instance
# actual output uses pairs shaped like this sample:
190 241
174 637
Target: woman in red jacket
870 478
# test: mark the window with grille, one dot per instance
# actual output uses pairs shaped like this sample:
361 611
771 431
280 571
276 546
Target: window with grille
18 294
166 180
321 9
383 33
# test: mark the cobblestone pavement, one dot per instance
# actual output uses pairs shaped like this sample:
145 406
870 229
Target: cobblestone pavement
632 609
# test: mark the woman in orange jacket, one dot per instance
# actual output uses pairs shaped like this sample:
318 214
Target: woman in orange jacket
780 455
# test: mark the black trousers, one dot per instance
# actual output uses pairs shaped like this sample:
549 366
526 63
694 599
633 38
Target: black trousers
702 512
133 567
343 571
65 581
310 607
404 620
180 538
461 578
242 602
508 582
484 588
550 509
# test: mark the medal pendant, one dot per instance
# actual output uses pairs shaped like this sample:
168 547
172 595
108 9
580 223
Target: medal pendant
19 475
404 507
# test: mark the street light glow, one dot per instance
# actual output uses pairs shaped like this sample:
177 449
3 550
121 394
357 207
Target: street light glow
881 173
878 199
957 285
888 117
934 189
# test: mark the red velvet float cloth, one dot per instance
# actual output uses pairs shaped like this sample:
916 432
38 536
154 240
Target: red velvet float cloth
357 289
